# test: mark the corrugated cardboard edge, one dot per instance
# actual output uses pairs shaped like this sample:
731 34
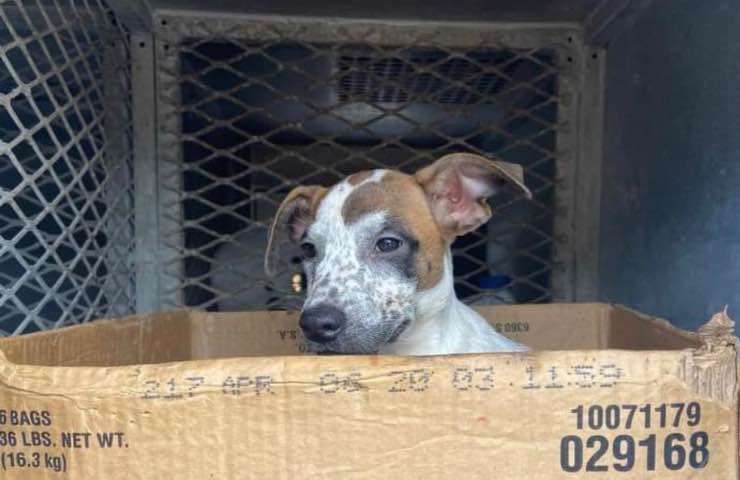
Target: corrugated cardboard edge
711 370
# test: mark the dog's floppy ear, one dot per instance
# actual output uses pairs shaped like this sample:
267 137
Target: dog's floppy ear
293 217
457 186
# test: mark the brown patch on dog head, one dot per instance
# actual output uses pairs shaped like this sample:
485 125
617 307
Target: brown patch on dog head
402 198
359 177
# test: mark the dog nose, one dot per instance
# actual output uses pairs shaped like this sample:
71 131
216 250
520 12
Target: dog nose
322 323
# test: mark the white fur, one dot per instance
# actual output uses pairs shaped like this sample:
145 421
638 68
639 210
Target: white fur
445 325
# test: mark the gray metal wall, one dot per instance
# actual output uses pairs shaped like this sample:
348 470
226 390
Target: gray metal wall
670 214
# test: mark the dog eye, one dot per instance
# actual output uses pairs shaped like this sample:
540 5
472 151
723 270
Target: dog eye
308 249
387 244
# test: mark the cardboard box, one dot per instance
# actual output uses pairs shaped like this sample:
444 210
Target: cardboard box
609 394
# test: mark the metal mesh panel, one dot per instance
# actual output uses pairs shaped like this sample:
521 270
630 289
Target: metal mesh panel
66 225
263 111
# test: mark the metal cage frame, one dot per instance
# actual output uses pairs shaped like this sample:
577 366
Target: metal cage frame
66 165
577 183
142 123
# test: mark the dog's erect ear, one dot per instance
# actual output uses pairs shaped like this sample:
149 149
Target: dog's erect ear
292 219
457 186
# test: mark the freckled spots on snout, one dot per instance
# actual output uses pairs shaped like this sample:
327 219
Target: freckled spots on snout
375 292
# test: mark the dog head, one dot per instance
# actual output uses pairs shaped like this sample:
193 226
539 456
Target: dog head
372 242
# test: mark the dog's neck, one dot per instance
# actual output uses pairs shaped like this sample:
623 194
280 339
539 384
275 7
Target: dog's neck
439 319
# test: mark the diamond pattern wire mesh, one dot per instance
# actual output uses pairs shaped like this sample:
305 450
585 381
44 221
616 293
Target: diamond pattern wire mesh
66 191
260 117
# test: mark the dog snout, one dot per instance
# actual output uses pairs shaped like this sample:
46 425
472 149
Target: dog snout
322 323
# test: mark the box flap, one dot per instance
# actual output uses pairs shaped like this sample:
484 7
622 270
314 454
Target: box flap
632 330
188 335
155 338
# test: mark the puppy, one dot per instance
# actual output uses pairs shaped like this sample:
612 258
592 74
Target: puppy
376 252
